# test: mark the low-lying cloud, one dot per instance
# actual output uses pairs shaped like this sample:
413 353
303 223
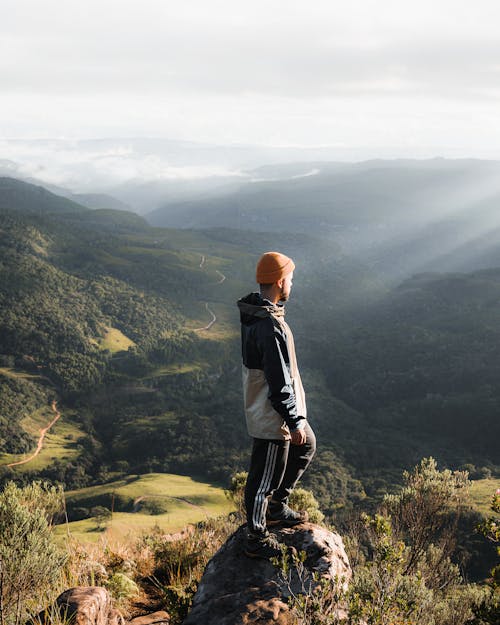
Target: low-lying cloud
73 165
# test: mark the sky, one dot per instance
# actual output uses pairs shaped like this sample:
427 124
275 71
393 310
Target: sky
405 78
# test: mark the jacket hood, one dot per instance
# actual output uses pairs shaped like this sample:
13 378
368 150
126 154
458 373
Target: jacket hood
253 306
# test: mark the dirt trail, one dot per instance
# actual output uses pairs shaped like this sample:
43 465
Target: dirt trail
222 277
209 325
220 281
42 436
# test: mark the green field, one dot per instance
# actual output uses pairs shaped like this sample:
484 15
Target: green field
60 442
115 341
226 326
177 501
173 369
482 492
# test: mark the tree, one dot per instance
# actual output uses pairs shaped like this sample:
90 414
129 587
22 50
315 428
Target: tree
102 515
427 509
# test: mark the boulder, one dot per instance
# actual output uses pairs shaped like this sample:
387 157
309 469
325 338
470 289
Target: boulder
155 618
88 605
237 590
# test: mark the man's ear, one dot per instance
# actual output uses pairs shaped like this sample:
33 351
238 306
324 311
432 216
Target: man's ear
280 283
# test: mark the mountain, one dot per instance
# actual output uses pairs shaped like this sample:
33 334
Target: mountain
401 217
424 365
107 314
134 331
27 198
144 172
99 200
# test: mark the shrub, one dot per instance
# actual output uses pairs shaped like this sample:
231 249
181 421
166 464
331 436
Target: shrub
302 499
427 509
179 564
236 491
489 609
404 573
121 587
30 562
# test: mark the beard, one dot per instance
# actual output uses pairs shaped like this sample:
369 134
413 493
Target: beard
284 296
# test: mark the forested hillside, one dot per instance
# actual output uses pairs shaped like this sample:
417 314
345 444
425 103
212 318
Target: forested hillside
134 330
402 216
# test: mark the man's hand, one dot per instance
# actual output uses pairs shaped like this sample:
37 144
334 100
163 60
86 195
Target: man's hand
298 437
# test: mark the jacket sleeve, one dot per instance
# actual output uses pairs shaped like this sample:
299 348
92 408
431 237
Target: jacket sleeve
275 361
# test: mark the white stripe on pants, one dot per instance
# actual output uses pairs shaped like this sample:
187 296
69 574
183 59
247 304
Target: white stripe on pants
260 505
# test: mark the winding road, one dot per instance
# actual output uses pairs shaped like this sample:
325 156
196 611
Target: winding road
40 440
214 319
222 277
214 316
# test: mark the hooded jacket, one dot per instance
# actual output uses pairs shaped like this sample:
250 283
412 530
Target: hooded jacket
273 394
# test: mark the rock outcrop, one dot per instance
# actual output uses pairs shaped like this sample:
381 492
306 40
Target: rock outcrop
237 590
83 605
92 605
155 618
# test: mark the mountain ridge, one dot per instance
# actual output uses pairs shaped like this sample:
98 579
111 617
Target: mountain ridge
168 399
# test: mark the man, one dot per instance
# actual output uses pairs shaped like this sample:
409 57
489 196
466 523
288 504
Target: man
275 406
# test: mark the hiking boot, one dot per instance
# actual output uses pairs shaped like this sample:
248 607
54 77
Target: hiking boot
281 514
262 545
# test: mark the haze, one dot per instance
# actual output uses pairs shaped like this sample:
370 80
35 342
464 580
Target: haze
394 79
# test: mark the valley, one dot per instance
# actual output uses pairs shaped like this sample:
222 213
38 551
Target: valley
138 342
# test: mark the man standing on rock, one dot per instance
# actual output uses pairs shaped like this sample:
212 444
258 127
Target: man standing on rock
275 407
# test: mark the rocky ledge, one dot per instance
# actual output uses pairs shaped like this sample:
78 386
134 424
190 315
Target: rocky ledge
91 605
237 590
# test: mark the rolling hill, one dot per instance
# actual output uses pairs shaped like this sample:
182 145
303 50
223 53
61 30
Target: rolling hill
140 503
111 317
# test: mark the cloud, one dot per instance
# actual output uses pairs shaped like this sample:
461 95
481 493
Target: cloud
74 165
283 71
293 49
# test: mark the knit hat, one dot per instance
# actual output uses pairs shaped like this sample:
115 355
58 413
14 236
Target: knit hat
272 266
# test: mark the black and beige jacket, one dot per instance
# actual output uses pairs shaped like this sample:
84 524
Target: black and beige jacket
272 389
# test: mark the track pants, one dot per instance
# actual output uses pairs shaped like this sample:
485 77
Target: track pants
275 468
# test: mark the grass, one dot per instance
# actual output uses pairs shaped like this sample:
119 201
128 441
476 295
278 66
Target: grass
481 493
181 499
173 369
115 341
59 442
226 326
152 422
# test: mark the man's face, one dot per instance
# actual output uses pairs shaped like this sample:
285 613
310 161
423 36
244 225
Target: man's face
286 287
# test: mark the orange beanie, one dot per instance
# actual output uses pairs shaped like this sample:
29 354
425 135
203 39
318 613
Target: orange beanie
272 266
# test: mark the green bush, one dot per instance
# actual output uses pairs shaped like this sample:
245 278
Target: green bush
403 571
121 587
488 610
30 562
302 499
236 491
